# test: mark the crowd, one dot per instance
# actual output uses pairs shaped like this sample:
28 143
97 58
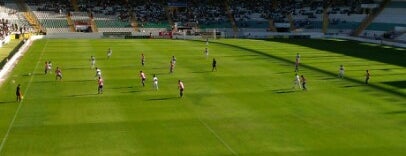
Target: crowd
6 27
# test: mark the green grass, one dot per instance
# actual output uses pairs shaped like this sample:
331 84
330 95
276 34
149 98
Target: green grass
8 48
247 107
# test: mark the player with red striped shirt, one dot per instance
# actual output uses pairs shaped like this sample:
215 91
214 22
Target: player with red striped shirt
143 77
100 88
181 88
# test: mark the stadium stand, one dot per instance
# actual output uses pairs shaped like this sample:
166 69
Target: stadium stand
155 16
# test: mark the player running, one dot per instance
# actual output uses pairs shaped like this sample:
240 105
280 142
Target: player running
297 82
206 52
49 67
303 80
181 88
171 67
143 77
46 67
174 60
155 79
98 72
214 65
100 85
58 73
341 72
109 53
142 59
18 93
367 76
92 62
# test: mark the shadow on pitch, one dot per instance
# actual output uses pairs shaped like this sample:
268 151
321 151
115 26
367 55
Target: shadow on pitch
124 87
284 91
352 86
394 59
162 99
397 84
7 102
396 112
132 91
199 72
83 95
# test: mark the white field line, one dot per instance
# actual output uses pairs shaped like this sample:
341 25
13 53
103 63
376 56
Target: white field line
216 135
3 141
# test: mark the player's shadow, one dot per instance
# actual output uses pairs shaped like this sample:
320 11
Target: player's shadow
396 112
162 99
200 72
124 87
352 86
284 91
83 95
7 102
132 91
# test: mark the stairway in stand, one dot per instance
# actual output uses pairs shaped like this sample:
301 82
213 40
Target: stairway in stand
231 18
326 6
92 22
30 16
368 20
169 13
70 23
272 26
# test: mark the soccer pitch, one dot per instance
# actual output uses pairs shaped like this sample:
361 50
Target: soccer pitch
246 107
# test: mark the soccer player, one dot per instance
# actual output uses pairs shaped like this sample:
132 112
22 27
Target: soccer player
207 41
109 52
100 83
174 60
155 79
303 80
46 67
142 59
367 76
172 66
341 72
181 88
49 66
214 65
206 52
18 93
297 58
143 77
92 62
58 73
98 72
297 82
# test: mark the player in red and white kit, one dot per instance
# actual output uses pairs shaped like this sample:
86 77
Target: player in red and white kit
58 73
100 83
143 77
181 88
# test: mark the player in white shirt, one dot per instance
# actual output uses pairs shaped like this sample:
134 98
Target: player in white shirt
155 79
297 82
92 61
109 53
341 72
98 72
206 52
